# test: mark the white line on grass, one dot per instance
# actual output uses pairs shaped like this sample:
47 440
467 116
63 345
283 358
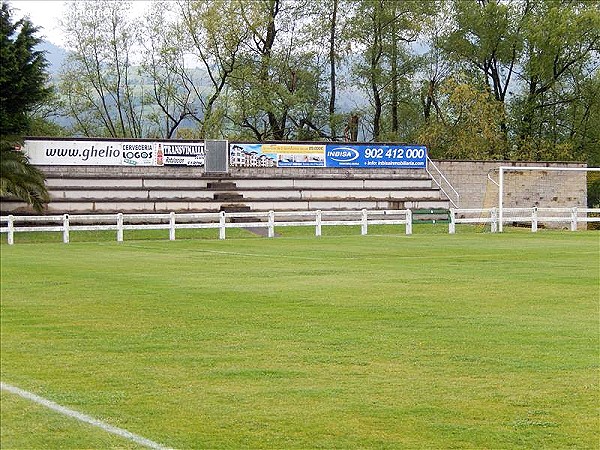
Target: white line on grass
82 417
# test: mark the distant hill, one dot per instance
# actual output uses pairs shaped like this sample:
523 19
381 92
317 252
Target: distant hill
55 56
347 100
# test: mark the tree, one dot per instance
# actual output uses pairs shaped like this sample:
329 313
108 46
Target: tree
99 82
435 64
560 62
382 30
470 123
276 91
326 33
22 87
171 98
213 35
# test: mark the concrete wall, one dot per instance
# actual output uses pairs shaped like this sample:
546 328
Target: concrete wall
525 189
175 172
469 178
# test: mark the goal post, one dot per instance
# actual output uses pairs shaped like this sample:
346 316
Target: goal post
533 193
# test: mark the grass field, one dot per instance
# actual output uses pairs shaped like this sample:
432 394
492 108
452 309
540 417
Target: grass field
383 341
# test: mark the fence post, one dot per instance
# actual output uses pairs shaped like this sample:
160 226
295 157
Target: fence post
574 219
364 224
66 228
222 225
534 220
120 227
171 226
452 224
494 219
408 221
271 232
11 229
318 223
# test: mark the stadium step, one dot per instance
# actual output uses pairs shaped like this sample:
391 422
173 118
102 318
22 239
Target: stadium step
228 196
221 185
235 208
80 190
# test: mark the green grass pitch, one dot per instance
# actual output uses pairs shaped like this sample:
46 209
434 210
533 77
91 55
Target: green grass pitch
344 341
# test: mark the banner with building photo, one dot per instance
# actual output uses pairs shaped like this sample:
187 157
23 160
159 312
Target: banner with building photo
180 154
276 155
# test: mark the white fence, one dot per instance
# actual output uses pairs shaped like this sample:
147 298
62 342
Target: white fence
535 216
66 223
222 221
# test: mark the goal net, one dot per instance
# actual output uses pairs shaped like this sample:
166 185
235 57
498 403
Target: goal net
540 196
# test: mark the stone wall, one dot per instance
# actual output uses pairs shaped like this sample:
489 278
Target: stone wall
526 189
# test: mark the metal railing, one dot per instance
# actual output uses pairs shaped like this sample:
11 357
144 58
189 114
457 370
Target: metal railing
441 181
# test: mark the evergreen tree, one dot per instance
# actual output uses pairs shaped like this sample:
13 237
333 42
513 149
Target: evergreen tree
22 87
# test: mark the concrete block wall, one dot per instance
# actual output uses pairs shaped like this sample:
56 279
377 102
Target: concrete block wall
525 189
81 189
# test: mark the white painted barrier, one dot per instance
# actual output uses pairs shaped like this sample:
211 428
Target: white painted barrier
571 216
172 221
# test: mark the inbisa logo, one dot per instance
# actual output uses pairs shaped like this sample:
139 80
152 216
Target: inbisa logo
342 154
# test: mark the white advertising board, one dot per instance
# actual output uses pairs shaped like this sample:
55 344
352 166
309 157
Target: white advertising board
138 153
113 153
90 153
181 154
74 153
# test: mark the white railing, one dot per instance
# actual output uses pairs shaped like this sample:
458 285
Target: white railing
571 216
449 191
66 223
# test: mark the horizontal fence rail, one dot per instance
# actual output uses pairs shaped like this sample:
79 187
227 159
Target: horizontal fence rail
68 223
119 223
569 216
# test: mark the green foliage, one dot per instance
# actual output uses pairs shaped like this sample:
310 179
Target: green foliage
274 69
593 190
19 178
23 74
22 89
470 127
98 82
559 100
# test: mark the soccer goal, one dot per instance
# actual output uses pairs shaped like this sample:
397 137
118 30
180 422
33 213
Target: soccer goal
551 196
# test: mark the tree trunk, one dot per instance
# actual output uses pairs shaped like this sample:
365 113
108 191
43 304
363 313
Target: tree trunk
332 73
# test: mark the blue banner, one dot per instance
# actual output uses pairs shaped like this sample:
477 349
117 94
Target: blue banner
376 155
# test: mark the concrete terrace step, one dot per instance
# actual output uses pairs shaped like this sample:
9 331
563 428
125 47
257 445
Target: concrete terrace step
155 189
108 206
299 194
151 183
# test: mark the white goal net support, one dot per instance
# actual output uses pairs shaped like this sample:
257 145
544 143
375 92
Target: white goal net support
548 191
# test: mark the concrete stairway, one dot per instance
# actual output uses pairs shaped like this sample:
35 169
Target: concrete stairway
79 190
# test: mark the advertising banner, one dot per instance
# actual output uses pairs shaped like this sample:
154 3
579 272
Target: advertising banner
342 154
180 154
375 155
74 153
138 153
171 153
277 155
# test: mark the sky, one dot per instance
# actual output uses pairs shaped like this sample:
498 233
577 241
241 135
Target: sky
43 14
47 14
